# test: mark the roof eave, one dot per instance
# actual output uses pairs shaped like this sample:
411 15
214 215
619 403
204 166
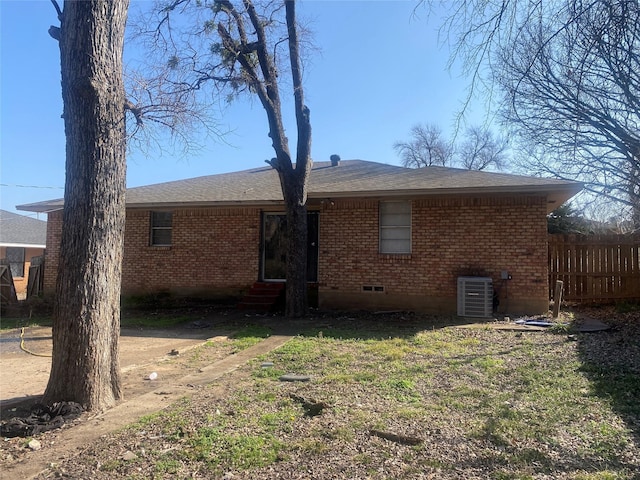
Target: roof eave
234 203
556 194
22 245
39 207
48 208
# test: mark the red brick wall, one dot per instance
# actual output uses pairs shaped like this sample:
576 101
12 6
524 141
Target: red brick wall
52 253
217 250
212 250
450 237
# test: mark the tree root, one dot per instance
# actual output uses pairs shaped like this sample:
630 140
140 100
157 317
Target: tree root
392 437
311 407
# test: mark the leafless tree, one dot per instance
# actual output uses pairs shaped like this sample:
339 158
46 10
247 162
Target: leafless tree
569 75
427 147
216 49
480 150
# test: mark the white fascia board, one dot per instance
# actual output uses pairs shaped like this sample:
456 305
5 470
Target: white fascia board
22 245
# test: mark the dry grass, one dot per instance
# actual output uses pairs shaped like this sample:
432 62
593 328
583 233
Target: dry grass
407 398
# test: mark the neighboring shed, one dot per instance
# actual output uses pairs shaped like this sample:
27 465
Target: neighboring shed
21 239
380 236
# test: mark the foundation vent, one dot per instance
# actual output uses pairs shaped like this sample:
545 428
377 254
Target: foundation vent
373 288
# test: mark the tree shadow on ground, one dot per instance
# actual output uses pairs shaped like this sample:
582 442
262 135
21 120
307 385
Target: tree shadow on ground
611 361
363 325
523 462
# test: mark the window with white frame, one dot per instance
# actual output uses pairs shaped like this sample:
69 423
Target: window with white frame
161 226
395 227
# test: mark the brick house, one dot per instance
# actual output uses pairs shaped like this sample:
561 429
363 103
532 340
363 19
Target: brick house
21 239
380 236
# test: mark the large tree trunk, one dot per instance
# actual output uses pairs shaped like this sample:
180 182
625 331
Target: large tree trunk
295 201
294 186
86 326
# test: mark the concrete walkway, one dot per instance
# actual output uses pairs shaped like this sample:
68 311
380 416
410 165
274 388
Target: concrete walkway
69 440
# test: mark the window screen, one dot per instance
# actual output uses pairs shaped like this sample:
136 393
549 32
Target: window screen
161 226
395 227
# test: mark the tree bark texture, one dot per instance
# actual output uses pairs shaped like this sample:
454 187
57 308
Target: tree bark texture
297 301
86 327
294 182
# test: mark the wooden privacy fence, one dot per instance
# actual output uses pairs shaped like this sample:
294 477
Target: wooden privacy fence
595 268
7 289
35 283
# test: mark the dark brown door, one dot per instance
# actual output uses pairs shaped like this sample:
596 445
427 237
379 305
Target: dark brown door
274 246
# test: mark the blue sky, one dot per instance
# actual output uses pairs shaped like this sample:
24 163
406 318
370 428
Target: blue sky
378 72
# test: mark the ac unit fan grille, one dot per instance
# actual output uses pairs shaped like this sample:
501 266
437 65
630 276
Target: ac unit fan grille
475 297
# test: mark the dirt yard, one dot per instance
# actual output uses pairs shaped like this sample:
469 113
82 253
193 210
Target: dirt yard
142 351
182 369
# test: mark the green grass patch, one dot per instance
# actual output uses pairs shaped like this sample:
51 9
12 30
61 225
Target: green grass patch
627 307
560 328
389 350
11 323
249 336
242 452
111 465
172 424
167 466
605 475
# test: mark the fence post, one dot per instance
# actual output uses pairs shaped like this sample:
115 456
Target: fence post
557 298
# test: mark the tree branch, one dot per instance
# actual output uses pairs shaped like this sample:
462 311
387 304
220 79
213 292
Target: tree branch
54 32
303 155
136 111
58 10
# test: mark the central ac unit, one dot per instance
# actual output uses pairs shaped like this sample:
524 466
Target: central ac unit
475 296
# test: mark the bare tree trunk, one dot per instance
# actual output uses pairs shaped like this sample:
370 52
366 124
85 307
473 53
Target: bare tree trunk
296 297
86 327
294 186
293 179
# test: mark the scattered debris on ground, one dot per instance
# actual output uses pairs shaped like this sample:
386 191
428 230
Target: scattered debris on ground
41 418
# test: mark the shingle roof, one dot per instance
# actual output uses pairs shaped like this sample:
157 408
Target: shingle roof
18 230
352 178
